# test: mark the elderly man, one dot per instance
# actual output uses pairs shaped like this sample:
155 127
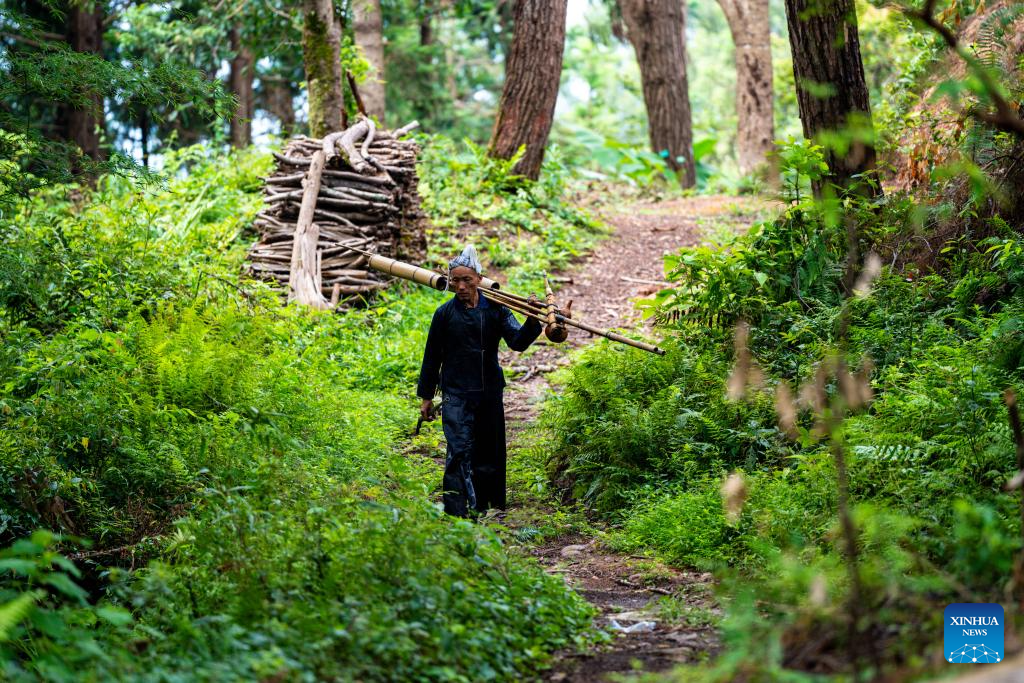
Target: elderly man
462 356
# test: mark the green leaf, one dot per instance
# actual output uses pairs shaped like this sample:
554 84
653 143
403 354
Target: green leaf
118 616
64 584
50 623
18 566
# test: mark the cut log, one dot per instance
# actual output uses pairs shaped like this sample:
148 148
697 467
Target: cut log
304 276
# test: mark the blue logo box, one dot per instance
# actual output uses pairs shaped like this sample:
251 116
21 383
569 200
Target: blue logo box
973 633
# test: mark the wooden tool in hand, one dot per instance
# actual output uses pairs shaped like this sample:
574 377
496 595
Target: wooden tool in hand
434 409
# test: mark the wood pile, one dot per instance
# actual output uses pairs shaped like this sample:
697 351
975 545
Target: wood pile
355 188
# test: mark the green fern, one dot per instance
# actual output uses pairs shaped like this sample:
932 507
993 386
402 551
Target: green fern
15 611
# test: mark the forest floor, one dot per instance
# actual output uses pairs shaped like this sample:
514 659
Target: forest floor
627 590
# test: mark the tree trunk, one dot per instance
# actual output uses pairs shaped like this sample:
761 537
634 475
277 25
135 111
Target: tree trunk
426 23
321 52
368 27
85 34
278 99
831 91
242 67
751 35
657 30
533 69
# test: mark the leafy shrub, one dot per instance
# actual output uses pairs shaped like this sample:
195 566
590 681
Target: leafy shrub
625 418
687 528
45 619
609 157
243 456
526 228
927 461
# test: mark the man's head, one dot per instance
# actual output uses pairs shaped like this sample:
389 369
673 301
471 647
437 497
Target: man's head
464 274
464 282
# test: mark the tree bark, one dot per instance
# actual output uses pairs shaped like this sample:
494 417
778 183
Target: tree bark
304 278
85 34
368 27
533 69
831 91
321 51
751 36
426 23
657 30
277 98
242 68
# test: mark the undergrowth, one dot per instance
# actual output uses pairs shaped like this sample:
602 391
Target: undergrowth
647 441
226 472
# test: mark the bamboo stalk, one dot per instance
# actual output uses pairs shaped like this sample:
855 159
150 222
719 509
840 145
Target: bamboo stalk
614 336
554 331
541 315
511 299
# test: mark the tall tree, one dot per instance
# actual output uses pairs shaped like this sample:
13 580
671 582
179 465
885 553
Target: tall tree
83 121
241 78
533 69
657 30
368 28
751 36
321 50
426 18
277 98
831 91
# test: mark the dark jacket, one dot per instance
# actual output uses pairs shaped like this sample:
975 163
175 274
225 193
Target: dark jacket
462 347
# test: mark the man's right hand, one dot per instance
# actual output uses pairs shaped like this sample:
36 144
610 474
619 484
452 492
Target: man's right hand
427 410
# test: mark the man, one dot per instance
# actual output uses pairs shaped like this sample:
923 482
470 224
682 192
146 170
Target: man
462 356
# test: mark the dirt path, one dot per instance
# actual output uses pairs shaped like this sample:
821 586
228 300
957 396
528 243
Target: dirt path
671 613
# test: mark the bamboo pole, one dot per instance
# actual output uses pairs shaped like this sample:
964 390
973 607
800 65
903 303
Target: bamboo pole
614 336
541 316
406 271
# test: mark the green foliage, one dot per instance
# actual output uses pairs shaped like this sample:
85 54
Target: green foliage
687 527
452 82
647 441
626 418
245 453
40 75
526 228
604 157
15 149
44 616
777 268
321 579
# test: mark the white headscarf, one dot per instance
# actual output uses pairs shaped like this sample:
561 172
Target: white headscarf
466 259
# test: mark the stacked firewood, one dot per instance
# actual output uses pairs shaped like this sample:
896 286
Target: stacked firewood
354 188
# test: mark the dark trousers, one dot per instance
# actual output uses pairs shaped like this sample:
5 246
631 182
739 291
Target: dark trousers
474 472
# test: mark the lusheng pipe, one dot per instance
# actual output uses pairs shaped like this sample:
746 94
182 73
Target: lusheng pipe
538 313
554 331
490 289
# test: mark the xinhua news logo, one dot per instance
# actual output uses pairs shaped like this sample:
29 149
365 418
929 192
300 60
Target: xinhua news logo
973 633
